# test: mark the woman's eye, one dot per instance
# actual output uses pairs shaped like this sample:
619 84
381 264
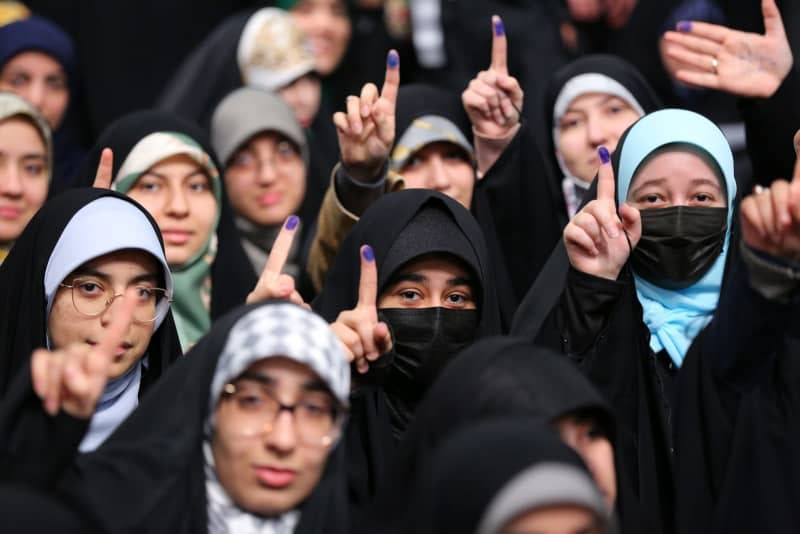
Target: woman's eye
19 80
456 155
148 186
649 199
409 294
249 400
57 83
457 298
703 197
243 159
34 169
566 124
145 293
90 288
286 150
199 187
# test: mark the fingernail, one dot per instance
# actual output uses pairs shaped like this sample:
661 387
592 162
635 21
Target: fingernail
612 232
291 222
604 156
684 26
367 252
392 59
499 27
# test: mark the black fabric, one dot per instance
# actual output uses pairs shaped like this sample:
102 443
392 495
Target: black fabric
495 377
33 511
211 71
469 469
418 100
149 477
369 435
232 276
25 430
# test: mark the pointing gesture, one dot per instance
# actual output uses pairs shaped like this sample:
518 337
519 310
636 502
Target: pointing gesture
73 378
598 242
366 130
493 99
102 179
363 336
273 284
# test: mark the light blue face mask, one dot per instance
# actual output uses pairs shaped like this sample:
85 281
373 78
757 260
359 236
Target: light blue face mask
675 316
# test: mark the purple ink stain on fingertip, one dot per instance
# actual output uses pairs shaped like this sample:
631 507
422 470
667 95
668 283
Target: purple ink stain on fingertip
367 252
291 222
684 26
392 59
499 27
604 156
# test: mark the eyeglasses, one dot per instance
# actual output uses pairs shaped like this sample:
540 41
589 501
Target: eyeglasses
254 409
91 297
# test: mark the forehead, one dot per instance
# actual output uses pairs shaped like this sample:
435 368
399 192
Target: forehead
127 260
264 139
283 370
676 166
436 267
35 61
439 148
21 127
587 101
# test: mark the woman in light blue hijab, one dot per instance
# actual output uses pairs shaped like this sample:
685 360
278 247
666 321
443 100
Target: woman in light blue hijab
656 280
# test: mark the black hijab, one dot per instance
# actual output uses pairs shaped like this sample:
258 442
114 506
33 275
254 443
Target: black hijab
232 276
149 475
22 294
373 423
469 479
418 100
27 449
495 377
546 288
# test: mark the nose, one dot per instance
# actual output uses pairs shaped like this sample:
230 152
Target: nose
177 204
35 94
10 181
283 437
267 173
596 132
438 175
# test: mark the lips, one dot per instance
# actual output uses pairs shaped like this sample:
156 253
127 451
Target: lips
275 477
174 236
9 213
120 351
270 199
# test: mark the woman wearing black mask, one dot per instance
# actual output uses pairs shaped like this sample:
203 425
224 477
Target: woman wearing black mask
424 271
645 286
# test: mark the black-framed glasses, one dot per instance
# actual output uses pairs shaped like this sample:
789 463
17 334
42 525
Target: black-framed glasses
317 416
91 297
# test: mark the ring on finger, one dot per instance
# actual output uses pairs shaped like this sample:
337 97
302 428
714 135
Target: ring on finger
714 64
759 189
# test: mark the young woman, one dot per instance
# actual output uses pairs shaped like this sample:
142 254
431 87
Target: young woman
166 164
416 265
60 290
525 481
26 162
39 63
241 436
265 156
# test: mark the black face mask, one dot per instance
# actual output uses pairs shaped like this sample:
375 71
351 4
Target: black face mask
679 244
425 340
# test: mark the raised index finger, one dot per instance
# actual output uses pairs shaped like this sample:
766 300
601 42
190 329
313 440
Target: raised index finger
282 246
120 322
368 281
102 180
391 83
606 188
499 46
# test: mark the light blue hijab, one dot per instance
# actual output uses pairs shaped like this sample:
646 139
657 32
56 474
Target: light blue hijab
675 317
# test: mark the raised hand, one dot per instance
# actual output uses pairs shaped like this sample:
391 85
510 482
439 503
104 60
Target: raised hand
102 180
770 217
73 378
366 131
598 241
363 336
741 63
493 99
273 284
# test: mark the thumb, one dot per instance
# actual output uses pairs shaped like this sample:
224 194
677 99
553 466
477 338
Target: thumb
773 23
632 223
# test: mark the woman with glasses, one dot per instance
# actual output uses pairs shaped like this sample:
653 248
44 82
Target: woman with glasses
60 287
240 436
166 164
265 156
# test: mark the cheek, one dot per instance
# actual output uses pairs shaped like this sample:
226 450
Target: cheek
154 204
36 192
205 210
571 143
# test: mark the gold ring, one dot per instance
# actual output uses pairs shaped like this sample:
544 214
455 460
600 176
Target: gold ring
714 65
760 189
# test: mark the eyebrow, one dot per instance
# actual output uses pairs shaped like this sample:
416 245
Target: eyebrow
661 181
166 178
414 277
314 384
86 271
34 156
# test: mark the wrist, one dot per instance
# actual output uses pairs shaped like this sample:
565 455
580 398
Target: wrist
365 172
